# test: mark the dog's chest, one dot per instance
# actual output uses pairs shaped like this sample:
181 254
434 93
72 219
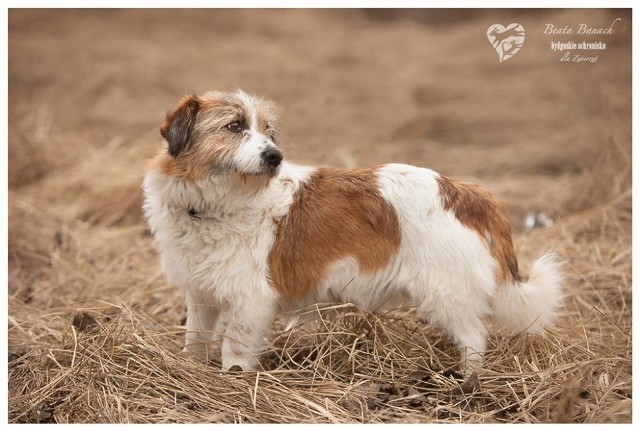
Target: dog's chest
216 246
210 237
223 251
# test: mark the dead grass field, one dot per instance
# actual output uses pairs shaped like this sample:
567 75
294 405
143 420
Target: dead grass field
94 331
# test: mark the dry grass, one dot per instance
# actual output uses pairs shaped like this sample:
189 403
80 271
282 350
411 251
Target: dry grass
95 332
125 365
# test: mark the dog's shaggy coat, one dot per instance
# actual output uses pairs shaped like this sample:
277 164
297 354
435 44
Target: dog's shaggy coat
247 234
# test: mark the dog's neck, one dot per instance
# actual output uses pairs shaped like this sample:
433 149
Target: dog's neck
224 192
230 193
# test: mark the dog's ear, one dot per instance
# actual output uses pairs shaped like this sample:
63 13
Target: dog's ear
178 126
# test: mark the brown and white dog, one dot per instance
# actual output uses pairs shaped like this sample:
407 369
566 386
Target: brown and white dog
247 234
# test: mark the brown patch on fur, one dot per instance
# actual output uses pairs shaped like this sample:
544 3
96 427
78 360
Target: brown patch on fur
337 213
479 210
178 126
194 164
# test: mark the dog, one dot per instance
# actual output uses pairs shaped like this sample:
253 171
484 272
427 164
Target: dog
247 235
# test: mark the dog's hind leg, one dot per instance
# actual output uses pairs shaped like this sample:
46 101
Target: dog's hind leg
457 303
464 326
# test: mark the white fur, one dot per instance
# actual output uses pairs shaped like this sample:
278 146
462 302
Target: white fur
248 102
247 158
221 258
446 270
441 266
531 306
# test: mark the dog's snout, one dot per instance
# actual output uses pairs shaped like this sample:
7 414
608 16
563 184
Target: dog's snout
272 156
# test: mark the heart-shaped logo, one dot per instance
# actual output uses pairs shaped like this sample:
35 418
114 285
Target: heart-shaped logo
506 41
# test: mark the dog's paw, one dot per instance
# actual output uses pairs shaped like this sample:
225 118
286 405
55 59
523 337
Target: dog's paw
199 352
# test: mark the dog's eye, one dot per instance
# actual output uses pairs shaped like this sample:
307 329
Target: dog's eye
235 127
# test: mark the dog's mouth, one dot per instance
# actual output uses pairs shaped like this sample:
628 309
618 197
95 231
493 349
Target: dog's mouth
263 169
251 159
272 170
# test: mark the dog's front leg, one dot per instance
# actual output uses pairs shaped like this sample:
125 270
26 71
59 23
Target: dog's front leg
249 320
204 324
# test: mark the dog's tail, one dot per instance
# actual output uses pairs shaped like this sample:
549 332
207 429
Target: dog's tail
531 306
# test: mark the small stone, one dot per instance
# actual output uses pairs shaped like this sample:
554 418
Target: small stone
84 321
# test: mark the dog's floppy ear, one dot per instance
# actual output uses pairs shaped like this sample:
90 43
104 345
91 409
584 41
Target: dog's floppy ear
178 126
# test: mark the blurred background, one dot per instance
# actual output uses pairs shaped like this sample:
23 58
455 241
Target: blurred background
88 90
353 86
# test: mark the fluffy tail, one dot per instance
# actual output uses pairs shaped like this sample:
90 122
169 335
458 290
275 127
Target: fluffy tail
531 306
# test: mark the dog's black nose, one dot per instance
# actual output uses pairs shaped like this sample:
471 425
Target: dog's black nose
272 156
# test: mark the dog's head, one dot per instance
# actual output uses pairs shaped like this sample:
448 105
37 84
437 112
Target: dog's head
218 133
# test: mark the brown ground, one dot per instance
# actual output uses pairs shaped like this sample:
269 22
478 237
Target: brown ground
87 92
